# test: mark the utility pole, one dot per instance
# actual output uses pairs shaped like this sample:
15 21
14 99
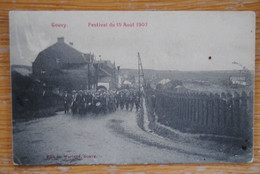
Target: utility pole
118 76
97 75
140 73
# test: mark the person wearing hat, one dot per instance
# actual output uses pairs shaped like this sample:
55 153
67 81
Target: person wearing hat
96 104
122 100
103 103
89 102
80 102
73 102
117 97
66 101
127 100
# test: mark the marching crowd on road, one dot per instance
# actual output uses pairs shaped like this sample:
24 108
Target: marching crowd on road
83 102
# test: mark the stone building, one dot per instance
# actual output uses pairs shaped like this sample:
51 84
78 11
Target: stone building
62 66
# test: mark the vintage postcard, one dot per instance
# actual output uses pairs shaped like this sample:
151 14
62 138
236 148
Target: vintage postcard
100 87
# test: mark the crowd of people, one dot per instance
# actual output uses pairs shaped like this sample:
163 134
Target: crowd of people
83 102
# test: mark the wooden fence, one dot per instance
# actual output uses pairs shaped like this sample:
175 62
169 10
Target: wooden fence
226 114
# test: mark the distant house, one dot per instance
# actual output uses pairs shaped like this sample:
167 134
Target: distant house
167 84
164 81
238 81
181 89
126 82
61 65
107 74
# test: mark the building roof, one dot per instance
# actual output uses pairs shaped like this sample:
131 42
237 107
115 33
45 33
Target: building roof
106 68
108 63
64 53
241 78
164 81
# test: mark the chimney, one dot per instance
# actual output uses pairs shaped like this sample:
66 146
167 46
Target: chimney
60 39
71 43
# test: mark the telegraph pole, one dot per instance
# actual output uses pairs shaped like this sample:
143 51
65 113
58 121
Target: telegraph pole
140 72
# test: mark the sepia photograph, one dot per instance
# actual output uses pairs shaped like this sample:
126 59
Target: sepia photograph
132 87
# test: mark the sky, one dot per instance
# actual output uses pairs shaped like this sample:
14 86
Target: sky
168 40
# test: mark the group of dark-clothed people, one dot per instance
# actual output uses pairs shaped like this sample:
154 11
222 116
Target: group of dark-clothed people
87 101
